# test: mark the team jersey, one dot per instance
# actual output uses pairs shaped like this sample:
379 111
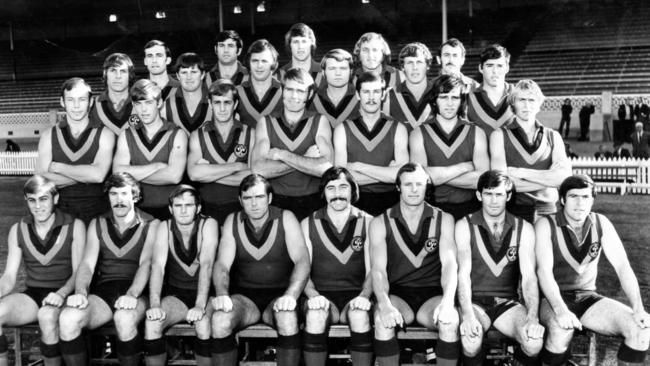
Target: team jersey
262 259
575 264
314 71
145 151
214 74
171 84
296 138
376 146
402 105
216 150
182 267
413 259
251 108
347 108
176 111
495 261
48 261
119 253
104 111
446 149
339 263
392 76
486 115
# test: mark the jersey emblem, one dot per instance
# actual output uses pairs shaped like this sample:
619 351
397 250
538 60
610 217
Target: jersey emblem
357 243
511 254
431 244
241 150
133 120
594 248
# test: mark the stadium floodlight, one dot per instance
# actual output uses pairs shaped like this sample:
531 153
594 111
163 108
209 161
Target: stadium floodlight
365 1
112 18
261 7
236 9
161 14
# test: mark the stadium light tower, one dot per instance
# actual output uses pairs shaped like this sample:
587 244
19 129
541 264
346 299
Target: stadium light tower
112 18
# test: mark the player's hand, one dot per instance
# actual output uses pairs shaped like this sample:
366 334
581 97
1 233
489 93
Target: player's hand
568 320
468 166
390 317
641 318
156 314
222 303
513 172
202 161
126 302
318 303
353 165
195 314
471 328
533 330
275 153
313 152
360 303
392 163
285 303
444 313
54 299
78 301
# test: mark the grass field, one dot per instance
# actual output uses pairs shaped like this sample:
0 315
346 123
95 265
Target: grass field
630 215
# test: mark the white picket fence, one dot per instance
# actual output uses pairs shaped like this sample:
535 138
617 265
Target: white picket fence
611 175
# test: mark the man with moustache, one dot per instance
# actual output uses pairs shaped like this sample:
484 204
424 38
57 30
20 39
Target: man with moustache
372 147
219 154
76 154
154 151
157 57
228 47
451 58
112 276
339 287
113 106
372 54
300 43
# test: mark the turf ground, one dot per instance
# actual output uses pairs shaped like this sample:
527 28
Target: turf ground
630 215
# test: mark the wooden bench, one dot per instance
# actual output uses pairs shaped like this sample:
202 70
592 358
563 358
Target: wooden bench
261 331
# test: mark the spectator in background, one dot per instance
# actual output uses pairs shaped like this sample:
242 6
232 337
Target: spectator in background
620 152
569 151
602 153
626 111
12 146
566 117
585 120
641 112
640 142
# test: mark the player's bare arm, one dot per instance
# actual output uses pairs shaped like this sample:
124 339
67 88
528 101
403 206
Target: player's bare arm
158 262
261 161
340 142
313 165
221 272
206 261
45 160
449 270
553 177
90 173
439 174
480 162
173 172
14 257
199 170
470 325
389 314
386 174
122 161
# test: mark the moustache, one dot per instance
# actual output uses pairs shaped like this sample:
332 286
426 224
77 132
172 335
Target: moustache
342 199
371 102
119 205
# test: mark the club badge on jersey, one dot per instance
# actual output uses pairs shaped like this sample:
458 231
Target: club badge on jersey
431 245
357 243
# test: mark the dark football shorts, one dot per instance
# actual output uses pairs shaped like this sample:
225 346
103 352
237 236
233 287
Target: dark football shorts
340 298
494 306
415 297
38 294
187 297
110 291
261 297
579 301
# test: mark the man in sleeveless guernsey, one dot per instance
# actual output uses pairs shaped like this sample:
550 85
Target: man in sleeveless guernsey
409 101
188 106
76 154
300 43
157 57
453 150
372 54
335 97
113 106
293 148
228 47
50 243
219 154
412 255
487 103
261 95
496 250
181 269
111 281
569 246
261 270
451 58
154 151
532 154
339 288
372 147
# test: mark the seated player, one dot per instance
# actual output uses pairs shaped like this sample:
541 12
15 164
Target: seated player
339 288
413 260
181 270
261 270
117 259
569 246
50 243
496 249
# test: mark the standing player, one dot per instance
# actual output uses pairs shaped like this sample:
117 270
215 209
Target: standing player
300 43
339 287
117 259
453 150
113 106
157 57
335 98
181 269
262 94
532 155
188 106
76 154
154 151
293 148
372 54
414 270
569 245
228 47
50 243
451 58
494 249
261 270
220 153
409 101
487 104
372 147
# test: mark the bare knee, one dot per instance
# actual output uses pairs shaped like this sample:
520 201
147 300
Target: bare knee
381 332
532 346
222 324
126 324
449 331
153 329
636 337
286 322
71 321
472 345
359 320
558 338
48 317
202 328
316 321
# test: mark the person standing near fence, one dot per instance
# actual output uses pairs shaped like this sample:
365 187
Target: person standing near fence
640 142
566 117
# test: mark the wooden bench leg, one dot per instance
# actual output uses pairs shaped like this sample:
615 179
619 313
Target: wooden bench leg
18 352
592 349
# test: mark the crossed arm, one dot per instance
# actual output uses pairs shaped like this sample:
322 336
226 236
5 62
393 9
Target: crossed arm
200 170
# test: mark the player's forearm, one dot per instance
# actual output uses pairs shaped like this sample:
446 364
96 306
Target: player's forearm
363 179
630 286
67 288
87 173
271 168
7 284
366 288
530 292
551 293
466 181
380 287
384 174
167 175
310 290
155 285
527 186
443 174
59 180
465 294
208 173
204 285
139 172
299 277
140 280
221 280
548 177
307 165
82 280
448 281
